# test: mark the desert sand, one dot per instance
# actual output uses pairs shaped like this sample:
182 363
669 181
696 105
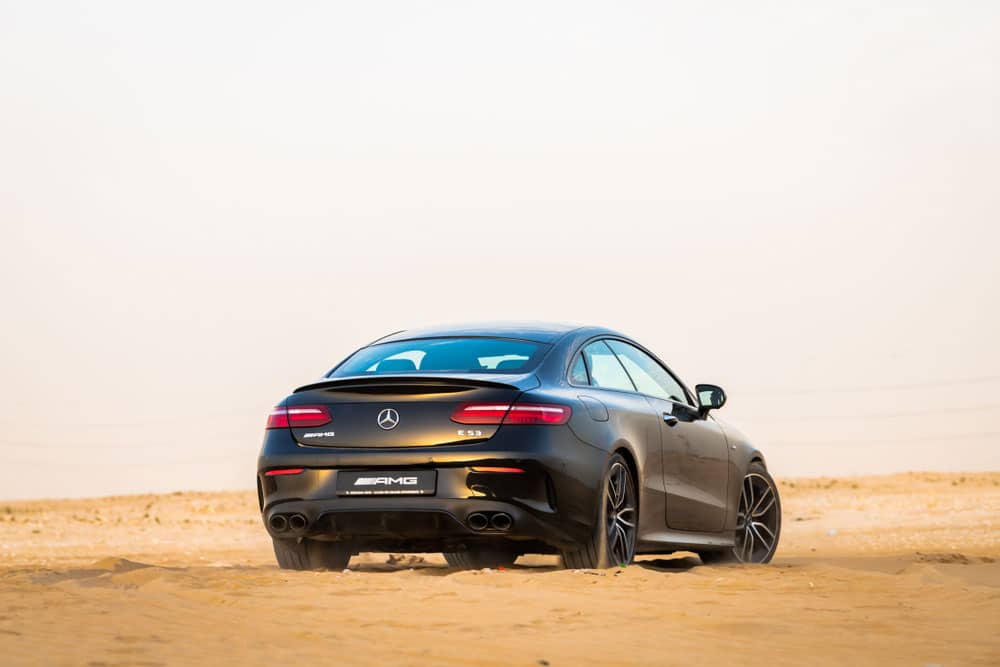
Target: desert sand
895 570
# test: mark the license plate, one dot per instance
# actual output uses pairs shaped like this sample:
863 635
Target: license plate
387 483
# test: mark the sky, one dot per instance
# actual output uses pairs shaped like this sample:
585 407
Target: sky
204 205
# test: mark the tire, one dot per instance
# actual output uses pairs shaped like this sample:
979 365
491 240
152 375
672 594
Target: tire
478 558
311 554
757 541
613 541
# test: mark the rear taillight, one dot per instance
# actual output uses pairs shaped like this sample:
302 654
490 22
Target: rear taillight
520 413
538 413
298 416
284 471
480 413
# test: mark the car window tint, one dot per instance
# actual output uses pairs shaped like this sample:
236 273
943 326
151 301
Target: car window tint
578 374
649 376
605 371
437 355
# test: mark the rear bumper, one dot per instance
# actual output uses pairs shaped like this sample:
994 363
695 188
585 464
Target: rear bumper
552 503
423 524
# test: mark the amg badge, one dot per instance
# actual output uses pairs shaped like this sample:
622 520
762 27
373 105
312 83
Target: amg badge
387 483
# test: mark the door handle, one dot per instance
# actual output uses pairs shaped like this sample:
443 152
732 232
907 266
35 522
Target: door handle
670 419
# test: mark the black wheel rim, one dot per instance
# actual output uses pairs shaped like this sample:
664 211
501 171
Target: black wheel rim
757 520
621 514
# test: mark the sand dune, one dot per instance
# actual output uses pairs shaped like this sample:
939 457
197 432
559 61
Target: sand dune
877 570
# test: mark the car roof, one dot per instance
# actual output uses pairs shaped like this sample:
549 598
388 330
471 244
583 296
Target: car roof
539 332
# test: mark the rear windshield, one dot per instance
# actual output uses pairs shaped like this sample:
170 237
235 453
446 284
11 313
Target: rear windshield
443 355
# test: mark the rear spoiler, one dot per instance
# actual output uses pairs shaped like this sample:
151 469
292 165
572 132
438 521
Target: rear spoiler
519 382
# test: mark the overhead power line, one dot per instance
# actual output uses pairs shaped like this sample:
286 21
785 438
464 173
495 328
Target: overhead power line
122 446
880 441
846 415
884 387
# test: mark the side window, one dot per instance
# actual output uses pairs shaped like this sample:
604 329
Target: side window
578 375
649 376
605 371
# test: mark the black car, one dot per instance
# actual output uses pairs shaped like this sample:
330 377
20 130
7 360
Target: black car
487 442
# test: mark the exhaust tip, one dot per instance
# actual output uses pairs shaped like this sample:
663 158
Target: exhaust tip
501 521
297 522
477 521
278 523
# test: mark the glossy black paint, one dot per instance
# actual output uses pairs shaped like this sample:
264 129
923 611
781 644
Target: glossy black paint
688 464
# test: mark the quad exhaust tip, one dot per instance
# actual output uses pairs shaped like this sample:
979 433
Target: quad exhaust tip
279 523
501 521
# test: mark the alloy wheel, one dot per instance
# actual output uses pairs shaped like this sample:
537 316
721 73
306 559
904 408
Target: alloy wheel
620 504
757 520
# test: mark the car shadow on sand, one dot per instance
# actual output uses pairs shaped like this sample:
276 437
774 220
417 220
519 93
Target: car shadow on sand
421 565
682 564
442 569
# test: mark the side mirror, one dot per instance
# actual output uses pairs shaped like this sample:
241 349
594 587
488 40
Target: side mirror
710 397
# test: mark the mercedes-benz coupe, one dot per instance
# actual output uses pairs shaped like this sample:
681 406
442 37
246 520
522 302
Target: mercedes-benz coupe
491 441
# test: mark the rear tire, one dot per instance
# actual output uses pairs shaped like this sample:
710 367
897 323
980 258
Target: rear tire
478 558
311 554
613 541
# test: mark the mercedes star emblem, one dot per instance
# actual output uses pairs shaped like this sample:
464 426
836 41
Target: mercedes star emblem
387 419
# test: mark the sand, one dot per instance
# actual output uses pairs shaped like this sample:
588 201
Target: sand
896 570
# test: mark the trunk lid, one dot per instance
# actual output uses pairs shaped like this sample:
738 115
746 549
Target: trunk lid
403 410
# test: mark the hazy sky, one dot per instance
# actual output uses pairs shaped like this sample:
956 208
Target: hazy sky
203 205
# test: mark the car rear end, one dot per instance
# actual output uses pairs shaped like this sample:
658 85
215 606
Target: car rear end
457 444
